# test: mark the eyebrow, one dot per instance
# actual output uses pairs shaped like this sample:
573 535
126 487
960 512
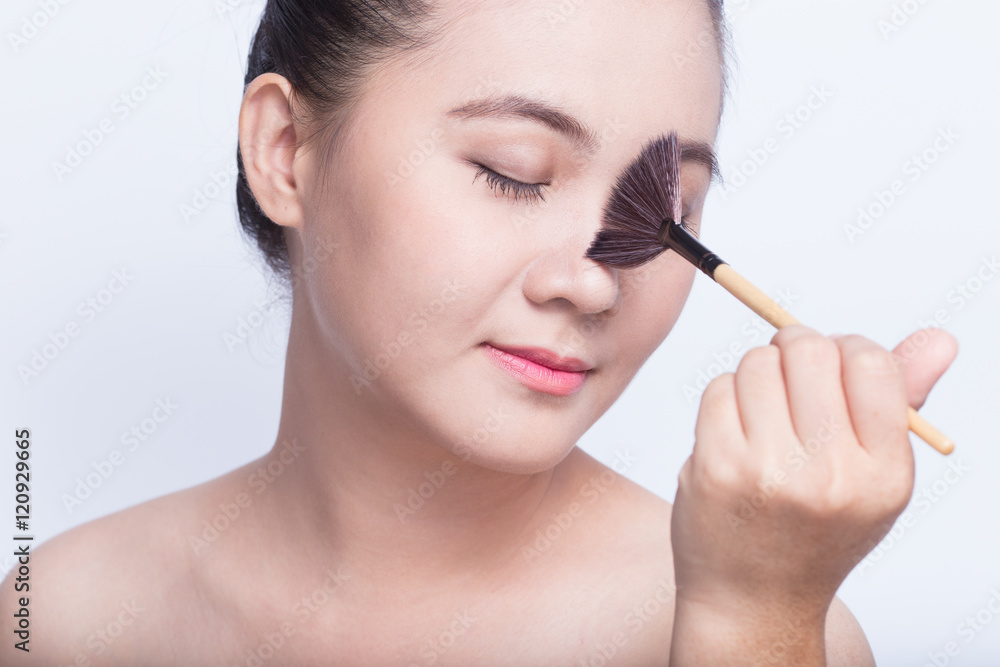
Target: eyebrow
580 134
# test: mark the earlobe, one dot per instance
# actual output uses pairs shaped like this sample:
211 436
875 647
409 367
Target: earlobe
268 145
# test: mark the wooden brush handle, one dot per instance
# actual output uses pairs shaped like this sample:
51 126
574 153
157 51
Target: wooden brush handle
778 317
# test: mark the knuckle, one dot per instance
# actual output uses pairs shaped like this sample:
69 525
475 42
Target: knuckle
720 388
760 356
852 340
760 367
813 351
828 495
874 361
832 507
791 331
720 476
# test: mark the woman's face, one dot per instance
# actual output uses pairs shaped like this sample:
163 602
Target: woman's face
431 265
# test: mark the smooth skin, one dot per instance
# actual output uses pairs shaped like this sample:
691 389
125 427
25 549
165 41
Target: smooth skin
781 565
438 511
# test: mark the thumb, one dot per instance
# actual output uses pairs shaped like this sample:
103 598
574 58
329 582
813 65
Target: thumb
924 356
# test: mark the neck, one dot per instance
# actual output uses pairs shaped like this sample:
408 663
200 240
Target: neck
380 495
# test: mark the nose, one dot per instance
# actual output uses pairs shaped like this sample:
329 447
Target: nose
564 272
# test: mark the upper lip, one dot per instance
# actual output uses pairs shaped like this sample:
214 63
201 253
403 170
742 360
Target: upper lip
545 357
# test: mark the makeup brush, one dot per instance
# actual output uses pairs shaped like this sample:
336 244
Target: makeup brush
643 218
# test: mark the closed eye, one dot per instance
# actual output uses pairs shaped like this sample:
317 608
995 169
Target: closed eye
509 187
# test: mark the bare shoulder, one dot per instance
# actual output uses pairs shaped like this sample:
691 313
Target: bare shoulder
633 534
846 643
627 570
626 520
96 592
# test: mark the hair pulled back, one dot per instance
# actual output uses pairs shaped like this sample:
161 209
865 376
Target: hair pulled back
326 49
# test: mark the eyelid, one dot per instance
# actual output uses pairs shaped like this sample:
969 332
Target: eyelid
501 183
506 163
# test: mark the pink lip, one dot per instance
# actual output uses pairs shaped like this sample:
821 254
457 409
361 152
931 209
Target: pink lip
540 369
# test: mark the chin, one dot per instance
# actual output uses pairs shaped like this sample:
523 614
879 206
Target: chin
518 440
516 460
488 420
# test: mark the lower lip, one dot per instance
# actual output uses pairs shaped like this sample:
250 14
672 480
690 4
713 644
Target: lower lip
535 376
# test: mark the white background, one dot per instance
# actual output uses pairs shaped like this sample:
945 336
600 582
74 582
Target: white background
888 96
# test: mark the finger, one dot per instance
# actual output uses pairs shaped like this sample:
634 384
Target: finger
762 399
876 396
924 356
811 366
719 431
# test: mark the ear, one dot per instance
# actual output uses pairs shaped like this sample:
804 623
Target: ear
268 145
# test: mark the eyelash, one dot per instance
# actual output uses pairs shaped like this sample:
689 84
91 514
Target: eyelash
501 185
533 191
689 227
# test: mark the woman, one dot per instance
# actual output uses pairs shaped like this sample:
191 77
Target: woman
427 179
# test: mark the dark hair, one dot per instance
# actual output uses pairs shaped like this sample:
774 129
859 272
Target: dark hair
326 49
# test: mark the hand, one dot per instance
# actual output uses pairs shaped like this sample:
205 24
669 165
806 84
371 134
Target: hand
802 461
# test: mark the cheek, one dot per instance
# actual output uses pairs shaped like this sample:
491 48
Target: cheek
652 300
416 265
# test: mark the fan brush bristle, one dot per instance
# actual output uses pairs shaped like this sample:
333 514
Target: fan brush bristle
646 194
643 218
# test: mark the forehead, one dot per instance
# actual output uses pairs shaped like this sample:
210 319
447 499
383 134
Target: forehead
654 66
